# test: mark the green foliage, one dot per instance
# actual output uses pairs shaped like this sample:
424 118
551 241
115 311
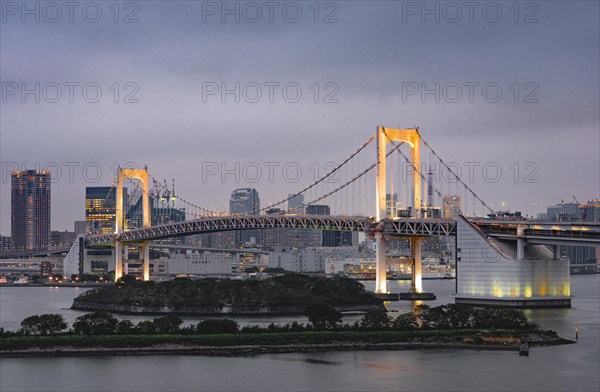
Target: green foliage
249 339
451 316
405 322
44 324
322 316
146 327
125 327
216 326
185 295
97 323
376 319
126 280
168 324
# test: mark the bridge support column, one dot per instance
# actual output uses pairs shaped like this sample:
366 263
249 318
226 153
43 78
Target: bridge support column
417 272
380 264
556 252
146 263
520 244
126 260
118 260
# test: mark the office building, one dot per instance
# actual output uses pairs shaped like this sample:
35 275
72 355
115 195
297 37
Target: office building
80 228
296 204
61 237
245 201
327 238
574 212
451 206
30 209
5 242
101 208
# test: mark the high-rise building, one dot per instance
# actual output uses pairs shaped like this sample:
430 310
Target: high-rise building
80 228
451 206
30 209
5 242
568 212
245 201
430 199
295 204
101 208
564 212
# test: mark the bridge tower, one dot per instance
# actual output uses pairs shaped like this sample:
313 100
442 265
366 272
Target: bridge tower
411 137
143 176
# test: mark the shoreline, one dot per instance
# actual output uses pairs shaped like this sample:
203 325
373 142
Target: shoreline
255 344
242 350
208 311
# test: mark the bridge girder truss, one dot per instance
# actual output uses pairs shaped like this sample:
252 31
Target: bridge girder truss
409 227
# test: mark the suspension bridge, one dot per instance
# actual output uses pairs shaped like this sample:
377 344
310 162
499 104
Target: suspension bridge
512 263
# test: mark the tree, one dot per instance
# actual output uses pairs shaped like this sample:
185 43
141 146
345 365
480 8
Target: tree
212 326
126 280
168 324
97 323
322 316
405 322
146 327
44 324
125 327
375 319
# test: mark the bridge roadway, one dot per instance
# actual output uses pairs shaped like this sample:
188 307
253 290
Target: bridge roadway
391 228
548 233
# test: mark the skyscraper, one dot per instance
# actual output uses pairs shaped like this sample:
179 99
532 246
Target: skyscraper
451 206
430 189
101 208
245 201
30 209
295 204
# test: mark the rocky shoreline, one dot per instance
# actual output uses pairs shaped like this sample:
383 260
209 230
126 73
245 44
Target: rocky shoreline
192 310
241 350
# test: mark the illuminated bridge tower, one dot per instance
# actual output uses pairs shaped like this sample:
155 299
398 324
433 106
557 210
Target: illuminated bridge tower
143 176
412 138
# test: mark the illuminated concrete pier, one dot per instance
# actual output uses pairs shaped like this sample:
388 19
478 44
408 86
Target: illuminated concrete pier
412 138
143 176
508 272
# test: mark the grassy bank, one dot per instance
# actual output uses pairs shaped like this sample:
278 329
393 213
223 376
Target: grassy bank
482 338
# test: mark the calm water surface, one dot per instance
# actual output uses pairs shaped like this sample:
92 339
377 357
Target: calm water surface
573 367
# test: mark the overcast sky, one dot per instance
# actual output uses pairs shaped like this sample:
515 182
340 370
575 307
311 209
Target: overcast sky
370 62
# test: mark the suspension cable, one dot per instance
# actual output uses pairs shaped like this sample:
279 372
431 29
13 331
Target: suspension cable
454 174
291 196
347 183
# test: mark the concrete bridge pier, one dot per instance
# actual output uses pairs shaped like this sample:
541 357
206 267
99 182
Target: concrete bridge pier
416 292
118 260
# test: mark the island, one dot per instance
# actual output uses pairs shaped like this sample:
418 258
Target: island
281 295
445 327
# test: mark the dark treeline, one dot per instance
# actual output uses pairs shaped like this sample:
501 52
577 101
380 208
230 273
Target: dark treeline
321 317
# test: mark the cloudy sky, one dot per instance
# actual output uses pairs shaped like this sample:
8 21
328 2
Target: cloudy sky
93 85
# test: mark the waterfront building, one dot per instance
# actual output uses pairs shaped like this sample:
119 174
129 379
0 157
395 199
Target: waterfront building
30 209
101 208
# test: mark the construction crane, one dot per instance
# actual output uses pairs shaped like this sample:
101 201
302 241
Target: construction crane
582 208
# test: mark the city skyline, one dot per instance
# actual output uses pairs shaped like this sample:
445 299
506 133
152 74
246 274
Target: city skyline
178 125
